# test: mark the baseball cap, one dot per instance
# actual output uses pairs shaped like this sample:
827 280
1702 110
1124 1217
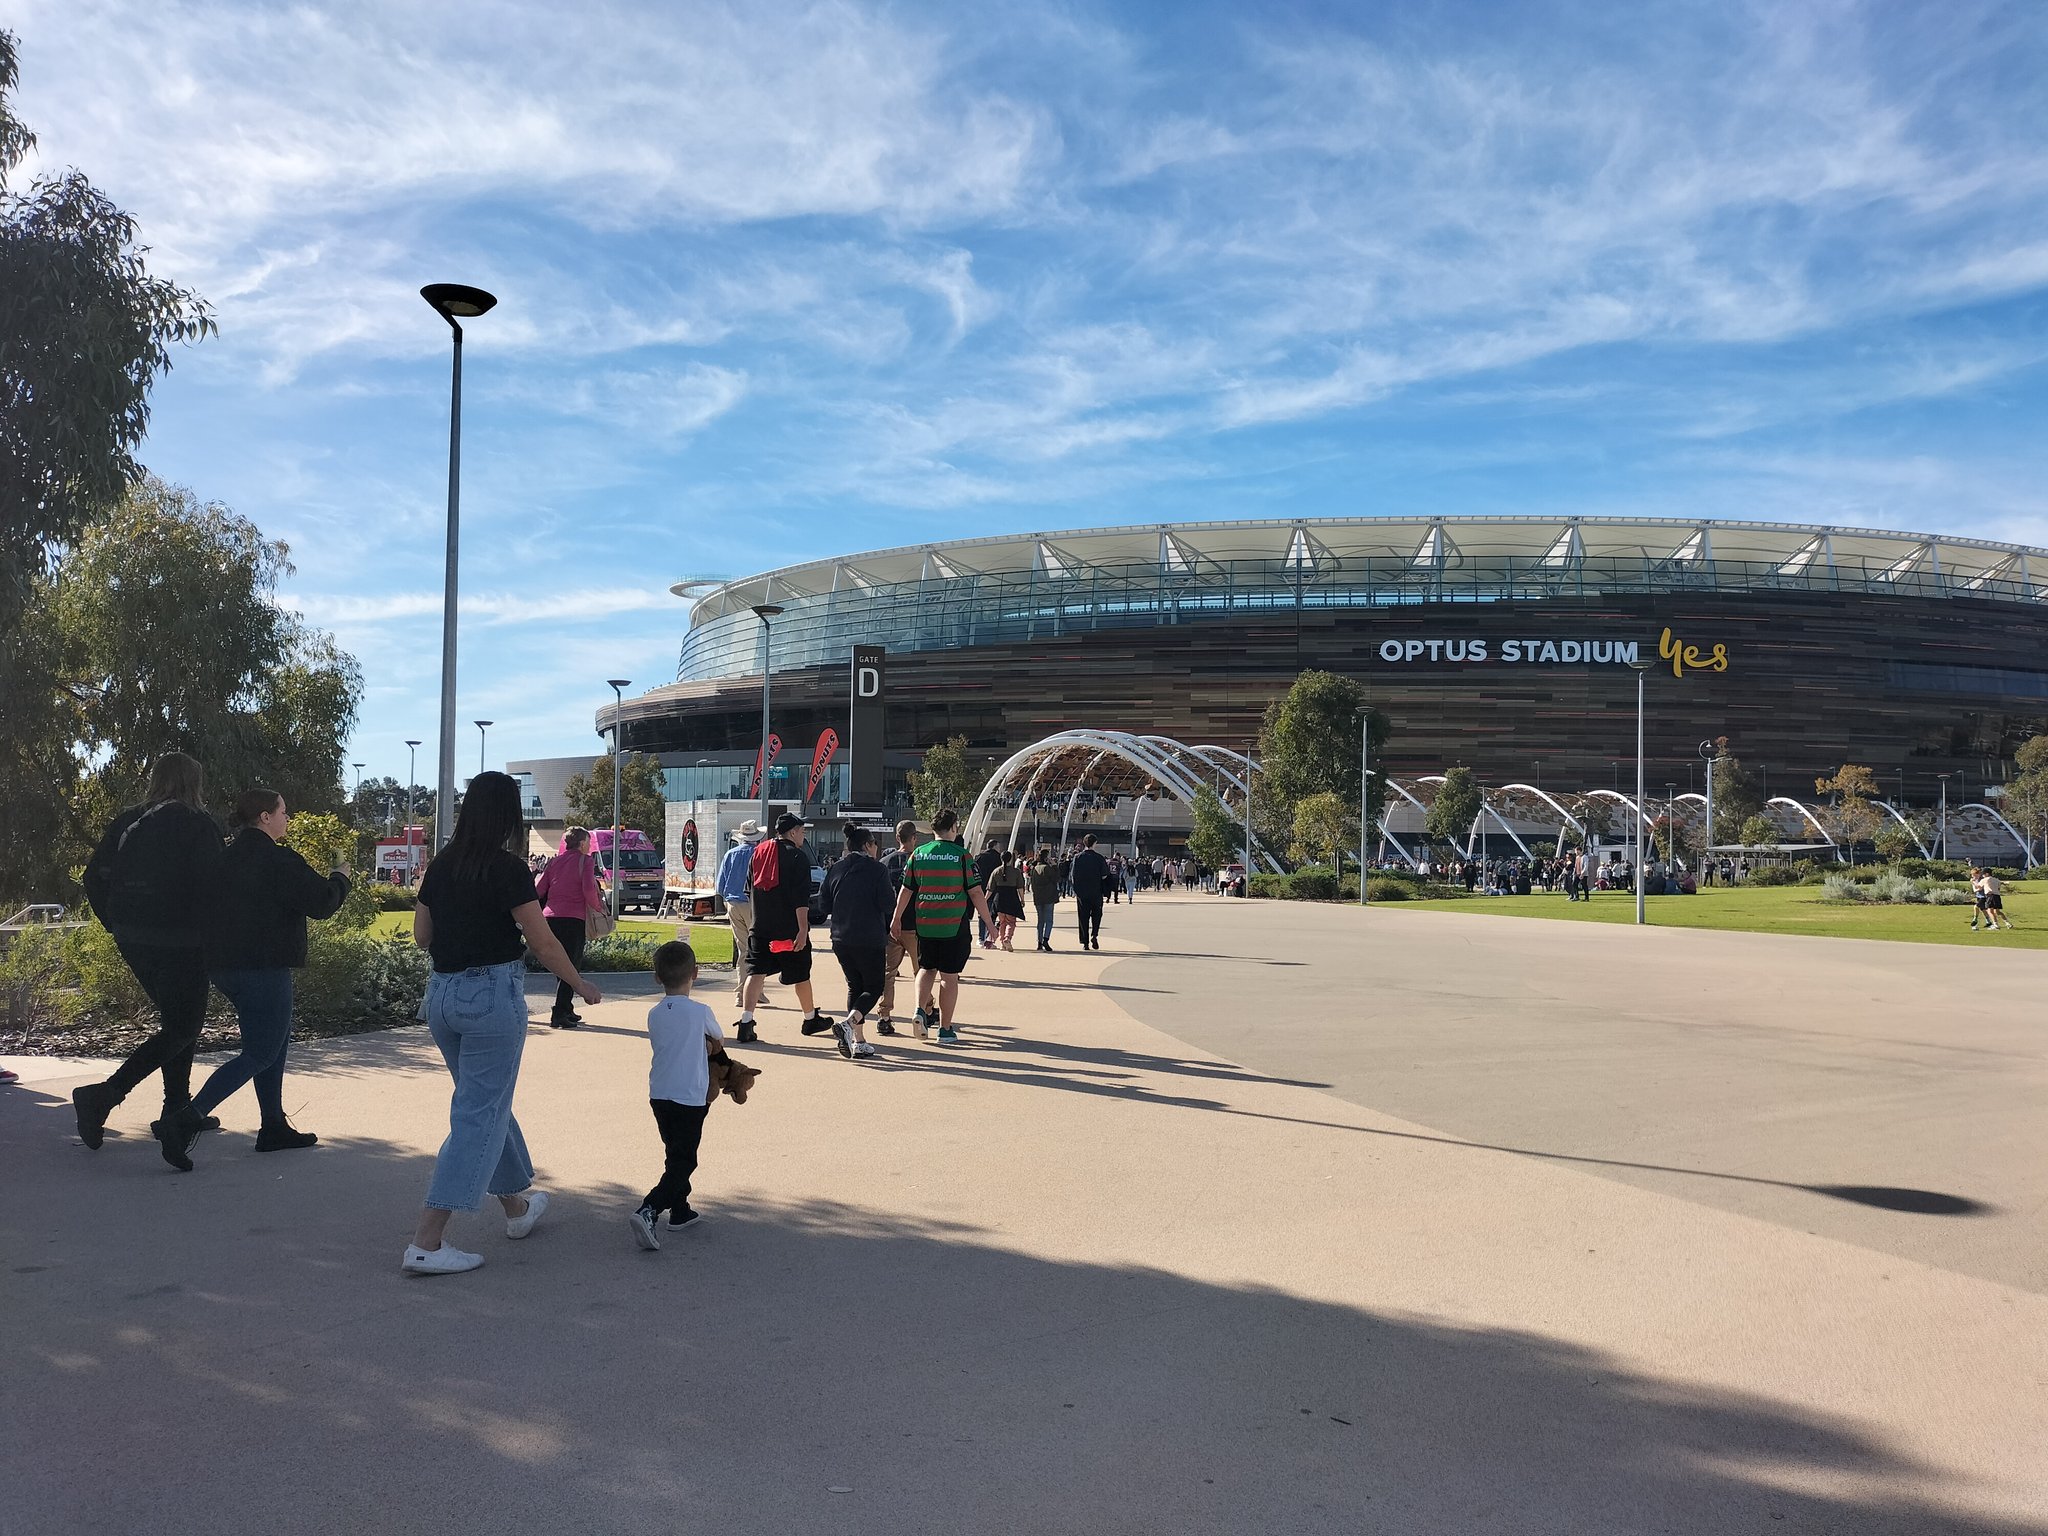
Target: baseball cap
787 820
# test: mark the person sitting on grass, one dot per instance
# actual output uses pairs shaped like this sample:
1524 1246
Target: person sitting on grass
683 1033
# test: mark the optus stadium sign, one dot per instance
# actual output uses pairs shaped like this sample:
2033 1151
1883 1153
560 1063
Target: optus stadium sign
1541 652
1577 652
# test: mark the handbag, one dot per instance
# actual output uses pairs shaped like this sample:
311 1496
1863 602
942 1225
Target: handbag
598 922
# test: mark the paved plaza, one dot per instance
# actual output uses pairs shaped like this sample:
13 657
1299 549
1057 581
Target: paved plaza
1267 1218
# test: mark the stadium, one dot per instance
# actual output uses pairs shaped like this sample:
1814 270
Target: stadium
1501 643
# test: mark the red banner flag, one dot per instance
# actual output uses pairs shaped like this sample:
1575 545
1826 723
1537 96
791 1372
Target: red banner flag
774 751
820 760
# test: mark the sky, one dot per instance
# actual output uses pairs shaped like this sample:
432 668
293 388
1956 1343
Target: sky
779 282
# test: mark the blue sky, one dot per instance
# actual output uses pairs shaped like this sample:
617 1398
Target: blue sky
783 281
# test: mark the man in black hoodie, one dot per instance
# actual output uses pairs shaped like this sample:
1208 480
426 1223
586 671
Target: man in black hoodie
152 882
858 899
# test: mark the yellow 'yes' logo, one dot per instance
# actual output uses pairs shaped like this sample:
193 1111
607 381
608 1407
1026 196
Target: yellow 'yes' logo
1682 656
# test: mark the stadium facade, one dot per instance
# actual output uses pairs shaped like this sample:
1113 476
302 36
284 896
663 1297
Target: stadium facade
1502 643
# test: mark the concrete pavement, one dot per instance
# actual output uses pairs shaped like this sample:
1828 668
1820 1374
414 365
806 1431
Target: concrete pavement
1078 1276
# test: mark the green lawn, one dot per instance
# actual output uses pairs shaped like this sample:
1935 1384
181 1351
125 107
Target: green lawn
711 941
1780 909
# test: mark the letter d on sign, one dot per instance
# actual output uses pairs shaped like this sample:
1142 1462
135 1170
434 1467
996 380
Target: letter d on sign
868 684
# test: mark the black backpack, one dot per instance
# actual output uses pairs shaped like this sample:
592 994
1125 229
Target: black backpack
148 876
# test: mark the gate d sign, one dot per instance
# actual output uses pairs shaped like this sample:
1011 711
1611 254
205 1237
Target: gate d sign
866 725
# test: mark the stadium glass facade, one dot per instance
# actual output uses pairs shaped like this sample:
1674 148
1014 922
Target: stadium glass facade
1496 642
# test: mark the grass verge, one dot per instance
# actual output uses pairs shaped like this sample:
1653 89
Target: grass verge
712 941
1781 909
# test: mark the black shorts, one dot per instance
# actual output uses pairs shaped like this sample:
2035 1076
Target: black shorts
1994 903
946 956
792 966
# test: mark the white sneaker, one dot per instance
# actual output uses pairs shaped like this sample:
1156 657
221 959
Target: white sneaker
519 1226
438 1261
862 1051
642 1222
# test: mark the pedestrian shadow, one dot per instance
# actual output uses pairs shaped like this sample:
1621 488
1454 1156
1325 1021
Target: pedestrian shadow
1000 1065
577 1383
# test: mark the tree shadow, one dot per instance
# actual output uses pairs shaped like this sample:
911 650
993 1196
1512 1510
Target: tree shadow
250 1358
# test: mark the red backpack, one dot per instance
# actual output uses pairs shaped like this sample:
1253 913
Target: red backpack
764 868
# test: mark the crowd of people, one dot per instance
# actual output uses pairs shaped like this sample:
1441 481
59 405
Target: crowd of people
192 909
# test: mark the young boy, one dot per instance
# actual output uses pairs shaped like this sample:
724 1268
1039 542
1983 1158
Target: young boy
683 1033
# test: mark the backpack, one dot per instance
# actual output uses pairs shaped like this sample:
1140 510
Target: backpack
764 865
147 881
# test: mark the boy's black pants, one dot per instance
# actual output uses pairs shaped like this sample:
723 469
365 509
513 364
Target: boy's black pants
682 1128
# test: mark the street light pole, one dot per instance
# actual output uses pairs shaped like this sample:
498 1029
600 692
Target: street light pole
1942 838
1364 799
1641 667
618 686
412 778
1248 766
482 726
453 302
359 779
764 612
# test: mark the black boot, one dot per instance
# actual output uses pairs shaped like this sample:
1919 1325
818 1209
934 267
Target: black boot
282 1138
176 1132
92 1104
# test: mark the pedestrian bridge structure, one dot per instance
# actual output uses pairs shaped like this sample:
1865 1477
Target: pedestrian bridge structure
1074 772
1080 775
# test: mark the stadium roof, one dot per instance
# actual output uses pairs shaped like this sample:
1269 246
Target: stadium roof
1450 551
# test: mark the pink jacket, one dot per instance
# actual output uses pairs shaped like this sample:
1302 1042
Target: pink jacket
562 893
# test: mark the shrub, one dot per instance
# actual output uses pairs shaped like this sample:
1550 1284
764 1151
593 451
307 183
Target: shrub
1842 888
1380 888
1777 874
353 981
1891 886
627 952
1312 885
1948 896
394 898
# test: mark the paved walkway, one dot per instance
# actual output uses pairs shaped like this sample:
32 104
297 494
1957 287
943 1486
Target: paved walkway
1076 1277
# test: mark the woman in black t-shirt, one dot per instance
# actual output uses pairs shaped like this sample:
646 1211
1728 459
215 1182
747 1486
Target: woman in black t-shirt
477 915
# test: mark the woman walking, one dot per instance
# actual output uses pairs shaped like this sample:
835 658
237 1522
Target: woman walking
569 899
477 903
151 881
1006 895
258 939
1047 875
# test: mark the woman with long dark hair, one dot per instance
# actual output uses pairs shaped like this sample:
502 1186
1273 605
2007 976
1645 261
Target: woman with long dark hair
477 914
151 881
258 939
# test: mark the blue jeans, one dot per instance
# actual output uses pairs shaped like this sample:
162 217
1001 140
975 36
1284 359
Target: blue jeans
1045 916
478 1019
263 1009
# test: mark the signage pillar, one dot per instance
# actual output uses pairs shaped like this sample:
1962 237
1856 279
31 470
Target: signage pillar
866 727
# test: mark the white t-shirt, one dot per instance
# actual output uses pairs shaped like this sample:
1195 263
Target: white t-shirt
678 1027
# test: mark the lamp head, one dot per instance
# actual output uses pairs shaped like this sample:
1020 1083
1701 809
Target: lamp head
410 742
456 302
618 682
1641 666
482 723
768 610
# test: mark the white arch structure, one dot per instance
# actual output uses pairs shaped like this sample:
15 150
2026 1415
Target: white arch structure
1811 819
1159 760
1911 832
2026 848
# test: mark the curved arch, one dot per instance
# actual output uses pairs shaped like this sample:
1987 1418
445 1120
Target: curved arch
1159 759
1616 795
1550 800
1911 831
1812 820
2026 848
